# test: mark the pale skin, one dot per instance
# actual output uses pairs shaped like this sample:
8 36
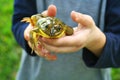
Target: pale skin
86 35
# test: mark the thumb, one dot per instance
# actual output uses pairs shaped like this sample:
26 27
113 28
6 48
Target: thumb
83 19
52 10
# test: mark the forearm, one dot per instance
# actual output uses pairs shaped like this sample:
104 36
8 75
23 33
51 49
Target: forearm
22 10
110 54
18 31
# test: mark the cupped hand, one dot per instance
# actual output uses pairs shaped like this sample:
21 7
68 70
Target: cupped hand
39 49
86 34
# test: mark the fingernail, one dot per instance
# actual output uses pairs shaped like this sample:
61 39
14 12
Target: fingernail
75 15
75 12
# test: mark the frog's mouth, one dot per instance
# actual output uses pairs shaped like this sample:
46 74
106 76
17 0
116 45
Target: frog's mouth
52 31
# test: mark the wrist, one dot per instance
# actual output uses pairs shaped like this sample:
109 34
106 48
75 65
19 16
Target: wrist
97 43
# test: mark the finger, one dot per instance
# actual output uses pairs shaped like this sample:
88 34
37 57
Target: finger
64 41
52 10
61 49
44 53
83 19
39 50
48 55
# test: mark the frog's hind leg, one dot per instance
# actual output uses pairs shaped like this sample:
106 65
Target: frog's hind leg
33 39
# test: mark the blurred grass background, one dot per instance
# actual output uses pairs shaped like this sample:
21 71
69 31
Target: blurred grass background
10 52
9 49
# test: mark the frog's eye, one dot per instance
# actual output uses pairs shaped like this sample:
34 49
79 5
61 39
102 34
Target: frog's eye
43 23
57 27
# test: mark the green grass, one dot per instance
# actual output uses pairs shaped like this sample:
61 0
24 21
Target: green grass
9 49
10 52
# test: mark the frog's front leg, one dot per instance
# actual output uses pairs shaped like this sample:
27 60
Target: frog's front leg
34 35
33 38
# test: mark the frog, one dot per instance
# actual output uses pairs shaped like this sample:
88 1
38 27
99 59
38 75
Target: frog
46 26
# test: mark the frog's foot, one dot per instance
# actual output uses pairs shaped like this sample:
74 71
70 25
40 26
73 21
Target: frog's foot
27 20
69 30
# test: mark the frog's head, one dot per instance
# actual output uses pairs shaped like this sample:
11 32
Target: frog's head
50 26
